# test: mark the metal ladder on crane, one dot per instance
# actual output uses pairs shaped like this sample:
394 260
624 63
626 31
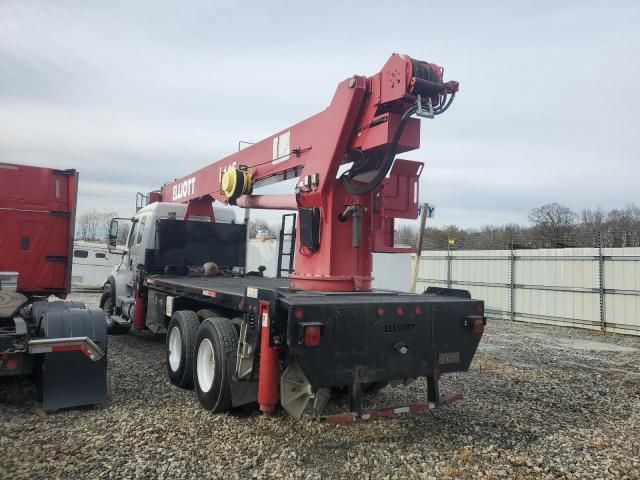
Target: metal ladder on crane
286 243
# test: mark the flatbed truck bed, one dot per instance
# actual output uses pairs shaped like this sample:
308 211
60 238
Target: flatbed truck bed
224 291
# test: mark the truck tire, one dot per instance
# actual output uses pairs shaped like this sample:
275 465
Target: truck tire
181 340
216 338
106 304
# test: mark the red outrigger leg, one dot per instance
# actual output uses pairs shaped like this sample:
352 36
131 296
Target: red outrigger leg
269 373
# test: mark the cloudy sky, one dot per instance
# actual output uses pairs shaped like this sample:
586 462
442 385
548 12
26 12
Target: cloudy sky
133 94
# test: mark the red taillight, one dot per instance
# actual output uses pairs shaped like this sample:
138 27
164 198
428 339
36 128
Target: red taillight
399 311
12 364
312 335
299 314
478 326
380 311
418 310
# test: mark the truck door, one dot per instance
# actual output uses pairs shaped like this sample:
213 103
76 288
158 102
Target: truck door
137 244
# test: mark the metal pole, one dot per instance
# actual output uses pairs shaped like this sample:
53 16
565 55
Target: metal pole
603 319
449 260
247 219
512 287
416 265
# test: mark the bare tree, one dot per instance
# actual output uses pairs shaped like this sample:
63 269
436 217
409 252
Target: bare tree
592 219
93 225
554 226
554 222
622 227
406 235
105 224
259 225
88 225
123 233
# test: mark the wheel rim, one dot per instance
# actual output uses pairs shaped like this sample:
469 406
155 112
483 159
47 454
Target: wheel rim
206 365
175 349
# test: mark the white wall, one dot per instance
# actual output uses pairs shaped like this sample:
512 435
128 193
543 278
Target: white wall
560 286
391 271
263 252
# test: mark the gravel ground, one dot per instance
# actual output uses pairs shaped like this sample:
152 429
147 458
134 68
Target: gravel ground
539 402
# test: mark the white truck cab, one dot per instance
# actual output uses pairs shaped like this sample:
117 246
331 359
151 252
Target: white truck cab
118 296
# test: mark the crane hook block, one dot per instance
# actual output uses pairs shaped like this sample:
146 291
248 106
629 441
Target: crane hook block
235 182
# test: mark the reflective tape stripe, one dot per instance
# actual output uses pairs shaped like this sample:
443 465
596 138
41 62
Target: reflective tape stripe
419 407
388 412
65 348
385 412
85 349
452 398
72 344
337 419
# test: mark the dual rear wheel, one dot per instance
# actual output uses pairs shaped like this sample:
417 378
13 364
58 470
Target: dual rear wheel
196 354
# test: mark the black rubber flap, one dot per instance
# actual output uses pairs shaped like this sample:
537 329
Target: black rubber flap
71 379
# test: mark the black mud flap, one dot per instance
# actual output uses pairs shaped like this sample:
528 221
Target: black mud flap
70 378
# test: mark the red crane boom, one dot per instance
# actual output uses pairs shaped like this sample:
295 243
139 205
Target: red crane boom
342 219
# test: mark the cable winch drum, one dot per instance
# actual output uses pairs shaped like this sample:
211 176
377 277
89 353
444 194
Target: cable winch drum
425 71
426 79
235 182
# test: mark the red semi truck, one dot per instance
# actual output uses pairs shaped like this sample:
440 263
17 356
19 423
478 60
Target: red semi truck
61 344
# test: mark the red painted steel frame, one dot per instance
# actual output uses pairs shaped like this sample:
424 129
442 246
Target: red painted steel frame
139 311
362 117
269 371
37 220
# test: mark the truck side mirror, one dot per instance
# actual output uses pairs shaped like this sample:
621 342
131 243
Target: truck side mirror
113 233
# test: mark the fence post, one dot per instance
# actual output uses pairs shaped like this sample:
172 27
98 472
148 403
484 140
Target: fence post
512 289
449 260
603 315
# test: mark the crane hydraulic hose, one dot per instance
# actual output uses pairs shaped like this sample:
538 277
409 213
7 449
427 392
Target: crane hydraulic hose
386 163
433 87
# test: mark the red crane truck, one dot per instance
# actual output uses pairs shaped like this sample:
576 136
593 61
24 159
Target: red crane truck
239 337
62 344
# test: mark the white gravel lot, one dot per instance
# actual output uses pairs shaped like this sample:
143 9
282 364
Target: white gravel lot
539 402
